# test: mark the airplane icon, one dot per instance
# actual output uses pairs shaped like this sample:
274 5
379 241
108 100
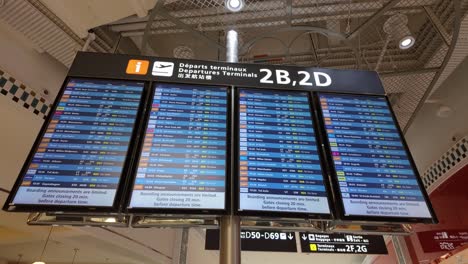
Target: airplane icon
163 68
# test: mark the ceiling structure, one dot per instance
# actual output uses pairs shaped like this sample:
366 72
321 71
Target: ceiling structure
343 34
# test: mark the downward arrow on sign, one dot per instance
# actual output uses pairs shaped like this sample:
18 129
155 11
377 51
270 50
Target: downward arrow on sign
290 237
304 237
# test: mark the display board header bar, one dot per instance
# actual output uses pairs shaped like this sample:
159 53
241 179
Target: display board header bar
119 66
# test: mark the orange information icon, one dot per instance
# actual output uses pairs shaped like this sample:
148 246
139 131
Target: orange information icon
139 67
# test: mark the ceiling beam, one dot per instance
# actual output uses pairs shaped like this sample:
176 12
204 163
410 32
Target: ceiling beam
163 12
289 11
437 24
247 21
314 49
408 72
372 19
456 24
139 8
149 25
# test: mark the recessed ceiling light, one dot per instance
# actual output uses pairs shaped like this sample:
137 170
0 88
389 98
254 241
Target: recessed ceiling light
444 111
397 29
406 42
234 5
39 262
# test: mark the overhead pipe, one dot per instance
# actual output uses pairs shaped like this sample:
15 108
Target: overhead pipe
382 54
232 44
91 37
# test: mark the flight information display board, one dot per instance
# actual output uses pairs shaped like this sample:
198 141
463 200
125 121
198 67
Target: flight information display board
374 171
183 159
279 165
81 156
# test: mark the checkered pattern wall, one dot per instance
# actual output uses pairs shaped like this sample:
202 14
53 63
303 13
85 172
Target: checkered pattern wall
452 157
23 95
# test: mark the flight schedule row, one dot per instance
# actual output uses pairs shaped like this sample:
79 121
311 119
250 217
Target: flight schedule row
372 166
183 158
279 164
80 158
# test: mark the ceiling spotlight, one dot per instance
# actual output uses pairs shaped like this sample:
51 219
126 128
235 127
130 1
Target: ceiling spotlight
397 29
234 5
406 42
38 262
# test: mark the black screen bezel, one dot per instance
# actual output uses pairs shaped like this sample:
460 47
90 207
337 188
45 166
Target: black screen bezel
116 205
181 211
258 213
335 184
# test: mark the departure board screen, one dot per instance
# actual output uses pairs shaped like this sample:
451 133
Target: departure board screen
80 158
279 165
373 168
183 160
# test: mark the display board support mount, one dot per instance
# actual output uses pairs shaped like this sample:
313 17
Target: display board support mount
230 241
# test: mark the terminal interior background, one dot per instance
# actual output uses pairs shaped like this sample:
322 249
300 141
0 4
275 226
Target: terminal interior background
426 84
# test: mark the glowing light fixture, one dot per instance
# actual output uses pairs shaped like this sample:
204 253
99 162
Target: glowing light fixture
406 42
397 29
234 5
38 262
110 220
